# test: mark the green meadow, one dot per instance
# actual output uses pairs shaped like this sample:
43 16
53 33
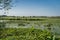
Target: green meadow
29 28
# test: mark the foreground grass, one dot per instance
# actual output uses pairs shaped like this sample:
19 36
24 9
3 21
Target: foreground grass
25 34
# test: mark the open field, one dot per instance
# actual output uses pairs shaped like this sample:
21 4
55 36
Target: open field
29 28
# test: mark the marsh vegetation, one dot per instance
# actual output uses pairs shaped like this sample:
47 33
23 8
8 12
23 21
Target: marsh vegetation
29 28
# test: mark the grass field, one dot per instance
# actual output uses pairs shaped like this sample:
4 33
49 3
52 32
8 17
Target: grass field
29 28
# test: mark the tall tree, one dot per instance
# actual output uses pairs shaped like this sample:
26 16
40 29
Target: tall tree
5 5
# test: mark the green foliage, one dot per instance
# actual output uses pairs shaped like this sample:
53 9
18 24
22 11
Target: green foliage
6 4
0 1
31 33
24 34
2 25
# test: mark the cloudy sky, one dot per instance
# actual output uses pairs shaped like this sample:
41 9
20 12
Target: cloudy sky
35 8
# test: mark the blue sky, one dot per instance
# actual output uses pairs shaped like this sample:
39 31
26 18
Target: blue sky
35 8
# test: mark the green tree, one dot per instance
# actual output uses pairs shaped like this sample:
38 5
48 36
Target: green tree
5 5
